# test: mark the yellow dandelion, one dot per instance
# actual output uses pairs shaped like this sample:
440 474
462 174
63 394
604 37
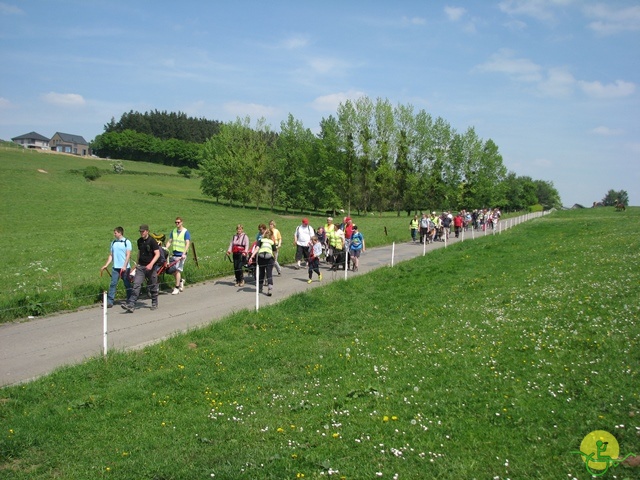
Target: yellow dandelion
280 430
385 418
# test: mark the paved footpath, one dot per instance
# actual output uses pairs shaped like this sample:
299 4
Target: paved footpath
37 347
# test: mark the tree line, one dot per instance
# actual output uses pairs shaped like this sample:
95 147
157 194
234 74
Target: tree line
370 156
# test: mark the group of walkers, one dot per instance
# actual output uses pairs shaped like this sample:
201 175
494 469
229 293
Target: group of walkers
433 228
152 259
338 245
331 243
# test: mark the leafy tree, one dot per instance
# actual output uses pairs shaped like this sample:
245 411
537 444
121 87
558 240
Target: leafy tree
613 197
291 179
326 167
547 194
234 162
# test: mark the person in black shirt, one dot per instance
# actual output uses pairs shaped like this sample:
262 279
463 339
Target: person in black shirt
148 254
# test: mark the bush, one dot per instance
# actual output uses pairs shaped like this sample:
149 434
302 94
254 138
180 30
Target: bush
91 173
536 208
118 167
185 172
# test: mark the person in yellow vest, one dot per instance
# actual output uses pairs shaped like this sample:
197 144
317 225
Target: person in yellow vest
413 226
329 228
265 253
178 245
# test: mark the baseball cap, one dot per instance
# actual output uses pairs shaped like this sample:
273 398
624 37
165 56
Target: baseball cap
144 226
305 221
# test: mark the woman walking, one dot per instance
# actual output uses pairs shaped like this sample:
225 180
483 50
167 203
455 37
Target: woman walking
239 247
265 253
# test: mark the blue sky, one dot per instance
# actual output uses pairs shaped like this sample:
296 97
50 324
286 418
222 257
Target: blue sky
554 83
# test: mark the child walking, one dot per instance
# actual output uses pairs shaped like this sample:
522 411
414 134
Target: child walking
314 258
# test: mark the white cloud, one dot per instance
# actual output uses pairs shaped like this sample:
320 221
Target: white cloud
330 103
326 65
606 131
617 89
538 9
454 13
253 110
559 83
6 9
608 20
414 21
64 99
295 42
519 68
4 103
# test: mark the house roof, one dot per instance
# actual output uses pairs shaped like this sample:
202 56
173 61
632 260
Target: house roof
69 138
31 136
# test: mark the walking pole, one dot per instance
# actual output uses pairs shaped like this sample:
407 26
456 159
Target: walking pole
104 324
257 285
393 252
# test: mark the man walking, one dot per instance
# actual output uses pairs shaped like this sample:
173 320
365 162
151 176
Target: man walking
148 254
180 239
120 254
302 241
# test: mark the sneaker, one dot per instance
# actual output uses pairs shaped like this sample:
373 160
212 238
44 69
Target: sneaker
298 266
109 305
181 287
269 293
309 281
154 306
176 291
320 277
241 284
129 307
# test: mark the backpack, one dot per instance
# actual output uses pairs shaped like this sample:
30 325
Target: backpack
161 264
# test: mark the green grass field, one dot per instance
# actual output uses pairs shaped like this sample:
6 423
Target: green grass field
488 360
63 225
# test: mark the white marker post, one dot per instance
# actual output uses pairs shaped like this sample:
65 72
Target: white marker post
257 285
346 264
393 252
104 323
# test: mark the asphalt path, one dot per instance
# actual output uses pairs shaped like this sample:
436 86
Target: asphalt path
30 349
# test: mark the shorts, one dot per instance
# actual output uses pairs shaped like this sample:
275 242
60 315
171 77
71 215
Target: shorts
180 265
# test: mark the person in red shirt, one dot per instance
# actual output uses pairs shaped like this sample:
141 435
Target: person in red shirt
348 231
458 221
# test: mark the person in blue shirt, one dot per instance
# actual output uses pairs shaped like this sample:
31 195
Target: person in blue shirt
119 254
357 246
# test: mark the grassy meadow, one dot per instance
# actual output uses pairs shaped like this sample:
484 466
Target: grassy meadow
63 226
491 359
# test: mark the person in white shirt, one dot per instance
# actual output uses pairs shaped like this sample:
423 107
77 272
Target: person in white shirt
302 241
